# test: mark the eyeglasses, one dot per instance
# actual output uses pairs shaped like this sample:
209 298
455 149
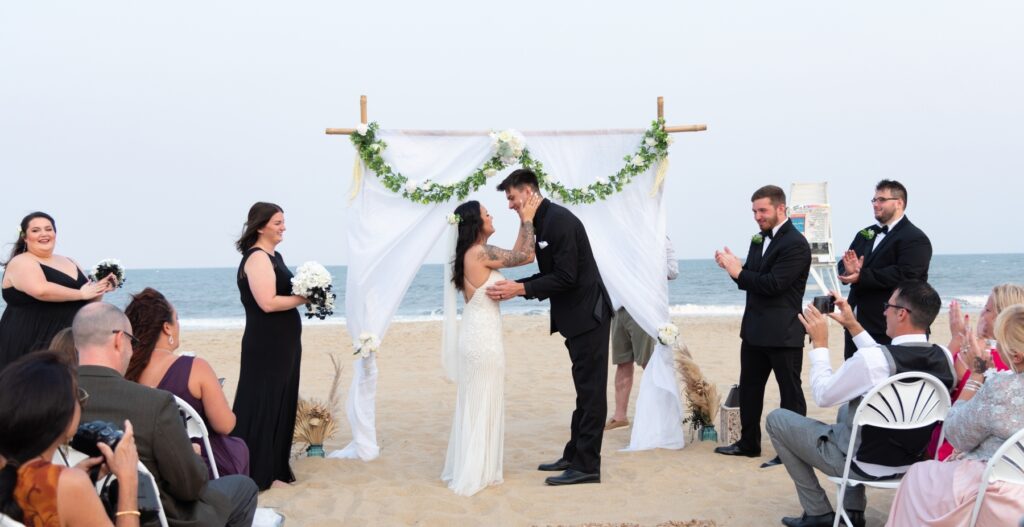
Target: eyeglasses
894 306
134 341
882 200
83 396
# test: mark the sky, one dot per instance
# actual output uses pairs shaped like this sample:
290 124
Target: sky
147 129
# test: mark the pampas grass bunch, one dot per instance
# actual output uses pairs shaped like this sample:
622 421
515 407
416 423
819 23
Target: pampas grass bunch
315 420
702 399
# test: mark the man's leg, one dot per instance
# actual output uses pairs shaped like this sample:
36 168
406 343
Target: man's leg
241 492
803 445
786 364
623 386
589 354
754 369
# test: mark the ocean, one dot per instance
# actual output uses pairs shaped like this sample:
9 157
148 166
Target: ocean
208 298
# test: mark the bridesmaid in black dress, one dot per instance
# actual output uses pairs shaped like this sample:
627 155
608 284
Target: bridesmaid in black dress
43 290
268 381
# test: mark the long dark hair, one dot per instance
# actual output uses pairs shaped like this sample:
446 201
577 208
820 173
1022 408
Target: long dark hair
20 246
37 403
470 226
147 312
259 215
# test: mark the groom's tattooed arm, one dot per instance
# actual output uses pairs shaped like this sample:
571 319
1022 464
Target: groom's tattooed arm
522 253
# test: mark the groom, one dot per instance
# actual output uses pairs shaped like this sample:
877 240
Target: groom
580 311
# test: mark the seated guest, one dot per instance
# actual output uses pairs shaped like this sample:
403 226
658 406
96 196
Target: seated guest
990 410
155 364
41 408
104 339
64 344
804 444
1002 296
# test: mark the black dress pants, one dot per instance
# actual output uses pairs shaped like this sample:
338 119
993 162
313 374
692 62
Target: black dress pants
756 362
589 354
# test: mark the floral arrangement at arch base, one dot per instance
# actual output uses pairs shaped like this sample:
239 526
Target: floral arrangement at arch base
315 420
702 398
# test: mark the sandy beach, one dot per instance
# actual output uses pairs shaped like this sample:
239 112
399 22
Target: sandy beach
414 412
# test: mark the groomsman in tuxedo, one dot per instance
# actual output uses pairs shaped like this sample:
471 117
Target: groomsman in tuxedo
580 310
774 277
881 256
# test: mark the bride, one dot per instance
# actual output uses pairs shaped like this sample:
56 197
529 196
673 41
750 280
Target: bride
476 443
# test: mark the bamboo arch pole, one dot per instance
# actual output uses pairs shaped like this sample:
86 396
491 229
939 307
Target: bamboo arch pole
661 115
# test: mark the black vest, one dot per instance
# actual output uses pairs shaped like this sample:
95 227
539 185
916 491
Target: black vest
897 448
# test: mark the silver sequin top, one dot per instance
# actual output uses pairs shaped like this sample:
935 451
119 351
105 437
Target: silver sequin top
978 427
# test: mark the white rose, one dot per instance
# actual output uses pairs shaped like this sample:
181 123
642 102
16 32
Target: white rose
669 140
650 141
375 147
505 136
637 160
602 180
426 184
490 172
362 129
410 187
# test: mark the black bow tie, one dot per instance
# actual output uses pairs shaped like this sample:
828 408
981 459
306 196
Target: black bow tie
880 230
767 234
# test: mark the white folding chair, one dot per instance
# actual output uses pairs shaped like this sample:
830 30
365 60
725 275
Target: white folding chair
197 428
6 521
903 402
1007 464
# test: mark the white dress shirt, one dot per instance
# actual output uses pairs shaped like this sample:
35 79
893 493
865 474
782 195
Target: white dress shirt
767 240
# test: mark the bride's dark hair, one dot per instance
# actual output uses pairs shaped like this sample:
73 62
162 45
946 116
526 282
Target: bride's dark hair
470 224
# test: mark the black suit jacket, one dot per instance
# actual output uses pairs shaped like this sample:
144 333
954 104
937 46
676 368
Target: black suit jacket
162 442
775 285
568 273
903 254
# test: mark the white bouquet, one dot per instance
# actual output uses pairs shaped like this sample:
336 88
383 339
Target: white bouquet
508 145
368 343
107 267
667 334
314 282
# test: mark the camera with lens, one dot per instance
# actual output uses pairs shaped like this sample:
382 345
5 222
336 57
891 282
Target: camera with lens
825 304
88 434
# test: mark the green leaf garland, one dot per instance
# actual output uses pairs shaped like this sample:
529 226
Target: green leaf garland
651 151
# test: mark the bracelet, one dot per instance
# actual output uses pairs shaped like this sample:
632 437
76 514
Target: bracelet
970 388
127 513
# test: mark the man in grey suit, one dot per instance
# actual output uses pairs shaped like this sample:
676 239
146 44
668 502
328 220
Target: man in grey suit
104 341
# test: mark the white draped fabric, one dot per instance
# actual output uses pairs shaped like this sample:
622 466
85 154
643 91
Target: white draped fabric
389 237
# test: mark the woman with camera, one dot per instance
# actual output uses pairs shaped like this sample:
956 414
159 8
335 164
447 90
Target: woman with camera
43 290
41 405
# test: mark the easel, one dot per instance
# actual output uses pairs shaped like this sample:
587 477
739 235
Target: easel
661 115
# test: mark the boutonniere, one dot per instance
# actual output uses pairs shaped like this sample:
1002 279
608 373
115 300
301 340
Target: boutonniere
757 239
868 234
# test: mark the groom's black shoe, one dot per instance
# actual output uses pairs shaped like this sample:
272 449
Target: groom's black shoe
736 450
557 466
822 520
572 477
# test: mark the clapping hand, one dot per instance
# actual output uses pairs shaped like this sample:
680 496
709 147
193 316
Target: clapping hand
852 265
728 261
980 359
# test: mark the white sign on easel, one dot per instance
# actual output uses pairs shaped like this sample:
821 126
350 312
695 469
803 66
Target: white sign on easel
812 215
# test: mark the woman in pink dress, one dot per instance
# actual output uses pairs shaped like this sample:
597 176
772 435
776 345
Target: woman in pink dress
990 409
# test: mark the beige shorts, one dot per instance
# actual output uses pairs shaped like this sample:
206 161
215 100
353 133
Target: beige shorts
629 341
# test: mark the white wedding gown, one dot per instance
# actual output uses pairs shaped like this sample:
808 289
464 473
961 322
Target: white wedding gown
476 443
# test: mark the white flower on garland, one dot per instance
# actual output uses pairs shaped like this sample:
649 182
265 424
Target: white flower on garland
362 128
107 267
601 180
314 283
375 147
650 141
368 343
637 160
410 186
426 184
668 334
508 145
490 172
